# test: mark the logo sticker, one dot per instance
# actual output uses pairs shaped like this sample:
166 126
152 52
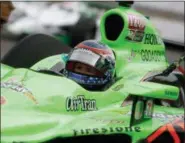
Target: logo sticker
136 36
136 28
118 87
163 116
171 93
106 130
152 39
107 121
136 22
149 108
147 55
19 88
139 110
79 103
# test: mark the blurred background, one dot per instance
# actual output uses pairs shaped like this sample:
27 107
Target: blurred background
73 22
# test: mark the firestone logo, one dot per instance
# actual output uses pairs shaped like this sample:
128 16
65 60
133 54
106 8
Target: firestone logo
105 130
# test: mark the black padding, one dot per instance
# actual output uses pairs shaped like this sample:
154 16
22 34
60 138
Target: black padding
32 49
112 138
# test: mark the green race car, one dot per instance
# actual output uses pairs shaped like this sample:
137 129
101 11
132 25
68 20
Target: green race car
144 105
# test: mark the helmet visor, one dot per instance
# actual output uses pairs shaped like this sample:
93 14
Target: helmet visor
89 58
84 56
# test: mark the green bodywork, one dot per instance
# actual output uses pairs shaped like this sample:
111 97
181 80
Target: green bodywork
35 107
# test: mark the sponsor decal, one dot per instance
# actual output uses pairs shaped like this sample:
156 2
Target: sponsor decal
152 55
149 108
118 87
171 93
18 88
136 28
136 32
136 36
147 55
108 121
3 100
79 103
152 39
121 112
142 109
105 130
167 116
132 55
136 22
139 110
164 116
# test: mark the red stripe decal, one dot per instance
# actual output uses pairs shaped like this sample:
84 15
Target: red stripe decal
173 133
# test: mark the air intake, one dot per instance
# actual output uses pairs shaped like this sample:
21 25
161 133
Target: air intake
114 25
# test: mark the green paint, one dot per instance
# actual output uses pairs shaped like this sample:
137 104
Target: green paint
26 121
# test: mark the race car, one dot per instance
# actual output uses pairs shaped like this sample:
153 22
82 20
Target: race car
144 105
65 20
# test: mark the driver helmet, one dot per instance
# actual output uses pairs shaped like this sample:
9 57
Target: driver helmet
90 64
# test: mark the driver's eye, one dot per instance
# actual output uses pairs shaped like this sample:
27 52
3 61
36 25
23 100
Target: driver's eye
90 70
79 67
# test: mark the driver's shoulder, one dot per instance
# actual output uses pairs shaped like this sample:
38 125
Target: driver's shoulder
49 62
